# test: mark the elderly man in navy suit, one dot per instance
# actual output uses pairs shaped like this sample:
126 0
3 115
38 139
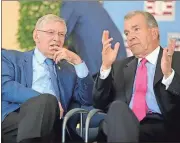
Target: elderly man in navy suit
36 91
86 21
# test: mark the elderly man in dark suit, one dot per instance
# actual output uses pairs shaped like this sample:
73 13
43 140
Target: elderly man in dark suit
141 93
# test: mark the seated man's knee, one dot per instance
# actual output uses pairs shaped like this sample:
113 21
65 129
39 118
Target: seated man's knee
48 99
118 105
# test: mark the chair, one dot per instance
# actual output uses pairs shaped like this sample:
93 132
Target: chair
93 124
87 127
68 116
90 115
80 114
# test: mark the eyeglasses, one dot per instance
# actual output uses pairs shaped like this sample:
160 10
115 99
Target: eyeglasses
53 33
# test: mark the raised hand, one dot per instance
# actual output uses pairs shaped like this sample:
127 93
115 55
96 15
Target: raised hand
108 54
166 61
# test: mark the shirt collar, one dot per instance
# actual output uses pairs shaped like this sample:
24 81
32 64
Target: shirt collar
39 56
152 57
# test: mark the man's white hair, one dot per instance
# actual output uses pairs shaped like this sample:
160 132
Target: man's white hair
47 18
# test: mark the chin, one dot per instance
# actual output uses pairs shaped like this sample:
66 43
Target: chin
138 55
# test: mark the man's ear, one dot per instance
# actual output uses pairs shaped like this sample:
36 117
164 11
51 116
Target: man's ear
35 36
155 33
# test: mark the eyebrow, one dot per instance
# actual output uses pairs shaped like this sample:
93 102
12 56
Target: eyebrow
134 26
55 31
51 30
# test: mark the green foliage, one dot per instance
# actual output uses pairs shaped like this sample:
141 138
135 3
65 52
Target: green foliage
30 12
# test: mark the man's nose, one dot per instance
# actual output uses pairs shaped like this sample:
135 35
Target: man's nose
57 37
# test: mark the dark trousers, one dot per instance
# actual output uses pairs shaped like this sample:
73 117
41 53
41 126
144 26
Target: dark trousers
121 125
37 120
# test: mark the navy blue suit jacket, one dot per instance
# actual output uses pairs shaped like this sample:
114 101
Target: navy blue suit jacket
86 21
17 77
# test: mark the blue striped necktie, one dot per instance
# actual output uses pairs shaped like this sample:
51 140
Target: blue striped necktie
50 63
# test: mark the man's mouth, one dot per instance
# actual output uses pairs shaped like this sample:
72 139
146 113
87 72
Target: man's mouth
53 45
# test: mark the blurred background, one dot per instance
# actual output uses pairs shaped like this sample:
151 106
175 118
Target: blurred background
19 18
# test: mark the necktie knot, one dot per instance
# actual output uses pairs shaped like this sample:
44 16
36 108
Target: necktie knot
49 62
143 61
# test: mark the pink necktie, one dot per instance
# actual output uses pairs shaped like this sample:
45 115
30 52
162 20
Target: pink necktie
139 103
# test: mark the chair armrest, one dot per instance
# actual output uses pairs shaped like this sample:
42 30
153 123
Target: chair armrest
88 119
69 115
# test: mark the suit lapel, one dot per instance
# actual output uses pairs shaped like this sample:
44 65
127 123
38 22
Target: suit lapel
130 71
129 75
27 64
158 72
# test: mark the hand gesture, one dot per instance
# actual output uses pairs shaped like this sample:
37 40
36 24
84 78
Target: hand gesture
108 54
166 60
66 54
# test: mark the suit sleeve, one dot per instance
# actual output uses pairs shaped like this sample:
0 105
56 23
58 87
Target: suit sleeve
174 87
102 92
12 91
83 90
69 14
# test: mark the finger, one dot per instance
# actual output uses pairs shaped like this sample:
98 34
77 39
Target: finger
105 35
107 44
165 54
107 41
116 47
171 47
57 54
106 48
61 110
61 113
59 58
67 54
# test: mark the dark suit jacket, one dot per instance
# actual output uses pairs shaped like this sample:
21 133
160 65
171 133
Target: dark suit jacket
17 76
86 21
119 84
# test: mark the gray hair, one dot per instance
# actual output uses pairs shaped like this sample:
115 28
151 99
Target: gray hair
50 17
151 21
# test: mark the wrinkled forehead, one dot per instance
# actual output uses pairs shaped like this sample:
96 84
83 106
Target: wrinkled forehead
54 25
134 21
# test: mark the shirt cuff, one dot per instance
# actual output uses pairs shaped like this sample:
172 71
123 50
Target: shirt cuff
81 70
168 81
104 73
